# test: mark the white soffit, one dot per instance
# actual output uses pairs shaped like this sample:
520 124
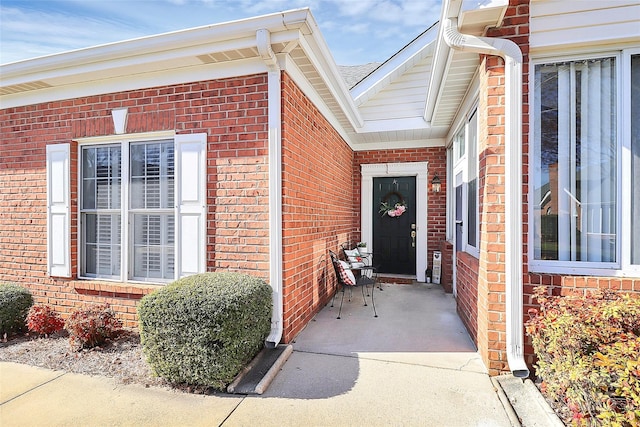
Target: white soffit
418 49
203 53
455 83
392 100
171 53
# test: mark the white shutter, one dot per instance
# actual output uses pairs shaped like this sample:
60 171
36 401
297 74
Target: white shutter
190 203
58 211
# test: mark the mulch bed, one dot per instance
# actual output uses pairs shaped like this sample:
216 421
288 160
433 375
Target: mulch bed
120 358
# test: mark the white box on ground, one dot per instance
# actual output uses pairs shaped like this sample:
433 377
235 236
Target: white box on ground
437 266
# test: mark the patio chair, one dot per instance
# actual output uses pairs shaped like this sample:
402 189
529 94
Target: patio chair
346 278
360 263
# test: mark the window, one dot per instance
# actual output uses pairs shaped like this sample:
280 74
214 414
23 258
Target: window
459 144
465 172
580 181
150 213
472 179
101 211
141 208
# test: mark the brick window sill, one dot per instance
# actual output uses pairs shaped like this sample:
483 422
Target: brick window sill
114 289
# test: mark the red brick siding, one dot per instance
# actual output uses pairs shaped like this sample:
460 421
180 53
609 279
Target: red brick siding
436 209
446 275
238 217
490 267
317 208
467 292
491 297
233 112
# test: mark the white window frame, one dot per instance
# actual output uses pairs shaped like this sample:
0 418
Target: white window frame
622 266
473 250
189 207
450 227
123 208
625 187
460 165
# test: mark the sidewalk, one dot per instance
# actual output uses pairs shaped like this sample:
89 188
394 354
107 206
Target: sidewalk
412 366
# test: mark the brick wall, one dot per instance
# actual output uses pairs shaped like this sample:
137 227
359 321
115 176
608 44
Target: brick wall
491 296
467 292
489 327
233 112
491 265
436 210
446 275
317 206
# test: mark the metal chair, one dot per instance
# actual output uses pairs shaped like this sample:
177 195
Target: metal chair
347 279
360 263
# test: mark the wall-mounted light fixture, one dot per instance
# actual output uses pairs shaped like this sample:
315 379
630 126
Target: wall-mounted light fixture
435 184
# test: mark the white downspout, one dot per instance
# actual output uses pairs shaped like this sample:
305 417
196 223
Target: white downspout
263 42
512 56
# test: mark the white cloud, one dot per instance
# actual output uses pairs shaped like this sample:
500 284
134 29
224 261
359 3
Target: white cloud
30 33
421 13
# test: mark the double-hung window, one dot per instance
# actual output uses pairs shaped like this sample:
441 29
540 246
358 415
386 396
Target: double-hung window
585 167
148 210
465 173
141 207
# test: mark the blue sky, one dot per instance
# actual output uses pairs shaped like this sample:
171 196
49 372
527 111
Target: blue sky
357 31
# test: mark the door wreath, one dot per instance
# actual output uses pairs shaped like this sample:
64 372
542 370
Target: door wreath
394 210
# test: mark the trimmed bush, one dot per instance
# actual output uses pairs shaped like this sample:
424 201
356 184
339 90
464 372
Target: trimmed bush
202 329
92 326
43 320
588 350
15 302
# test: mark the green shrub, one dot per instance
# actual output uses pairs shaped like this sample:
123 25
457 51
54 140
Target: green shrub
588 351
202 329
92 326
14 306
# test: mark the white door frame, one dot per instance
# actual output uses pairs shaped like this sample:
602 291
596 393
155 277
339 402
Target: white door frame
381 170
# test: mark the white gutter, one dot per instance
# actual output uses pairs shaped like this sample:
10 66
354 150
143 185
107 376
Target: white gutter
263 42
512 56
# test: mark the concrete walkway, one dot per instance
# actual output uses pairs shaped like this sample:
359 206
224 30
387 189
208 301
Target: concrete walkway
414 365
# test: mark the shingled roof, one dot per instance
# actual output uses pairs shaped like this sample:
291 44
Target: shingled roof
352 74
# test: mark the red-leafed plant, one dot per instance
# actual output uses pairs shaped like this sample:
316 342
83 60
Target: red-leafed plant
43 320
92 326
588 349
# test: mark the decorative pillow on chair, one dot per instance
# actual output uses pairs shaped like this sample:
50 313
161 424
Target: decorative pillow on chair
354 258
345 274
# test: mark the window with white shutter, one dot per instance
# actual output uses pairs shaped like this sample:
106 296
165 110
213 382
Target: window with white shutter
129 209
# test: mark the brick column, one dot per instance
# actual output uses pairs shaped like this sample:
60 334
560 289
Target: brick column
491 324
491 267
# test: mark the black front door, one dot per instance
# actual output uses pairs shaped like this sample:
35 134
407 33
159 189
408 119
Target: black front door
394 229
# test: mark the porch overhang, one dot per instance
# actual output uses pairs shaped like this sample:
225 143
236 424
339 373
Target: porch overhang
429 120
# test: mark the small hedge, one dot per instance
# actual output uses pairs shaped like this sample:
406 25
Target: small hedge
43 320
588 350
15 302
202 329
92 326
